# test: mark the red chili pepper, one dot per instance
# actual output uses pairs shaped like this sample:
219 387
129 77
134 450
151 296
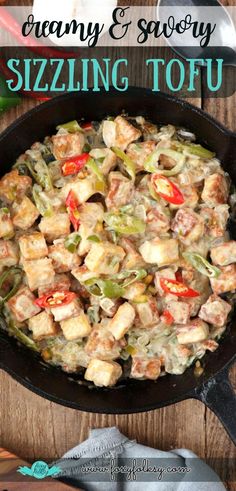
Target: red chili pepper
72 208
8 22
179 277
55 298
177 288
87 126
167 189
75 164
167 317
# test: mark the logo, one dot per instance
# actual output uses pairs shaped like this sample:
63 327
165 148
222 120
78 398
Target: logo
39 470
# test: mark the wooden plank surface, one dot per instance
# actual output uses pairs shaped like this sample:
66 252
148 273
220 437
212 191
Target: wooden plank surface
35 428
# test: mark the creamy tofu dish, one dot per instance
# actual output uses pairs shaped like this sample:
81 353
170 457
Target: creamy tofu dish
115 257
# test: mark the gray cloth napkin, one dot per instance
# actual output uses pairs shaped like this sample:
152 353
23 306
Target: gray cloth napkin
118 458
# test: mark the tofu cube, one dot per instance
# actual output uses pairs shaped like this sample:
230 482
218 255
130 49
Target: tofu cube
55 227
83 189
132 260
22 305
63 312
42 326
126 133
102 344
158 220
76 327
139 152
8 254
39 272
119 133
145 368
62 259
103 373
215 220
226 282
66 145
122 321
224 254
33 246
134 290
109 306
120 190
104 258
148 312
25 214
109 133
13 185
160 252
90 214
6 225
188 226
193 332
60 282
83 274
180 311
215 311
215 191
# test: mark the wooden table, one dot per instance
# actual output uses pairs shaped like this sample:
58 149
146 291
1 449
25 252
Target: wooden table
35 428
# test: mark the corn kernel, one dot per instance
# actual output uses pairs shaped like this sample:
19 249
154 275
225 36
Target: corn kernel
99 227
140 299
148 279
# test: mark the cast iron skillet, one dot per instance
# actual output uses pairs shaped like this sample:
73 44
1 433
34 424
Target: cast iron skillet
213 387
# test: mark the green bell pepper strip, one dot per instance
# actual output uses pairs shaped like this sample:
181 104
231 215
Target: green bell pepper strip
71 127
104 288
41 176
129 164
22 337
8 99
72 241
124 224
201 264
44 208
151 163
195 149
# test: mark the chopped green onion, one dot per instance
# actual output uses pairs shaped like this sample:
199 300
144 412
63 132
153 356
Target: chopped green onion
139 274
94 238
124 224
71 127
72 241
104 288
151 164
5 211
129 164
86 148
201 264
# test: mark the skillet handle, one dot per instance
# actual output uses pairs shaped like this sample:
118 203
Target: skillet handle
219 396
